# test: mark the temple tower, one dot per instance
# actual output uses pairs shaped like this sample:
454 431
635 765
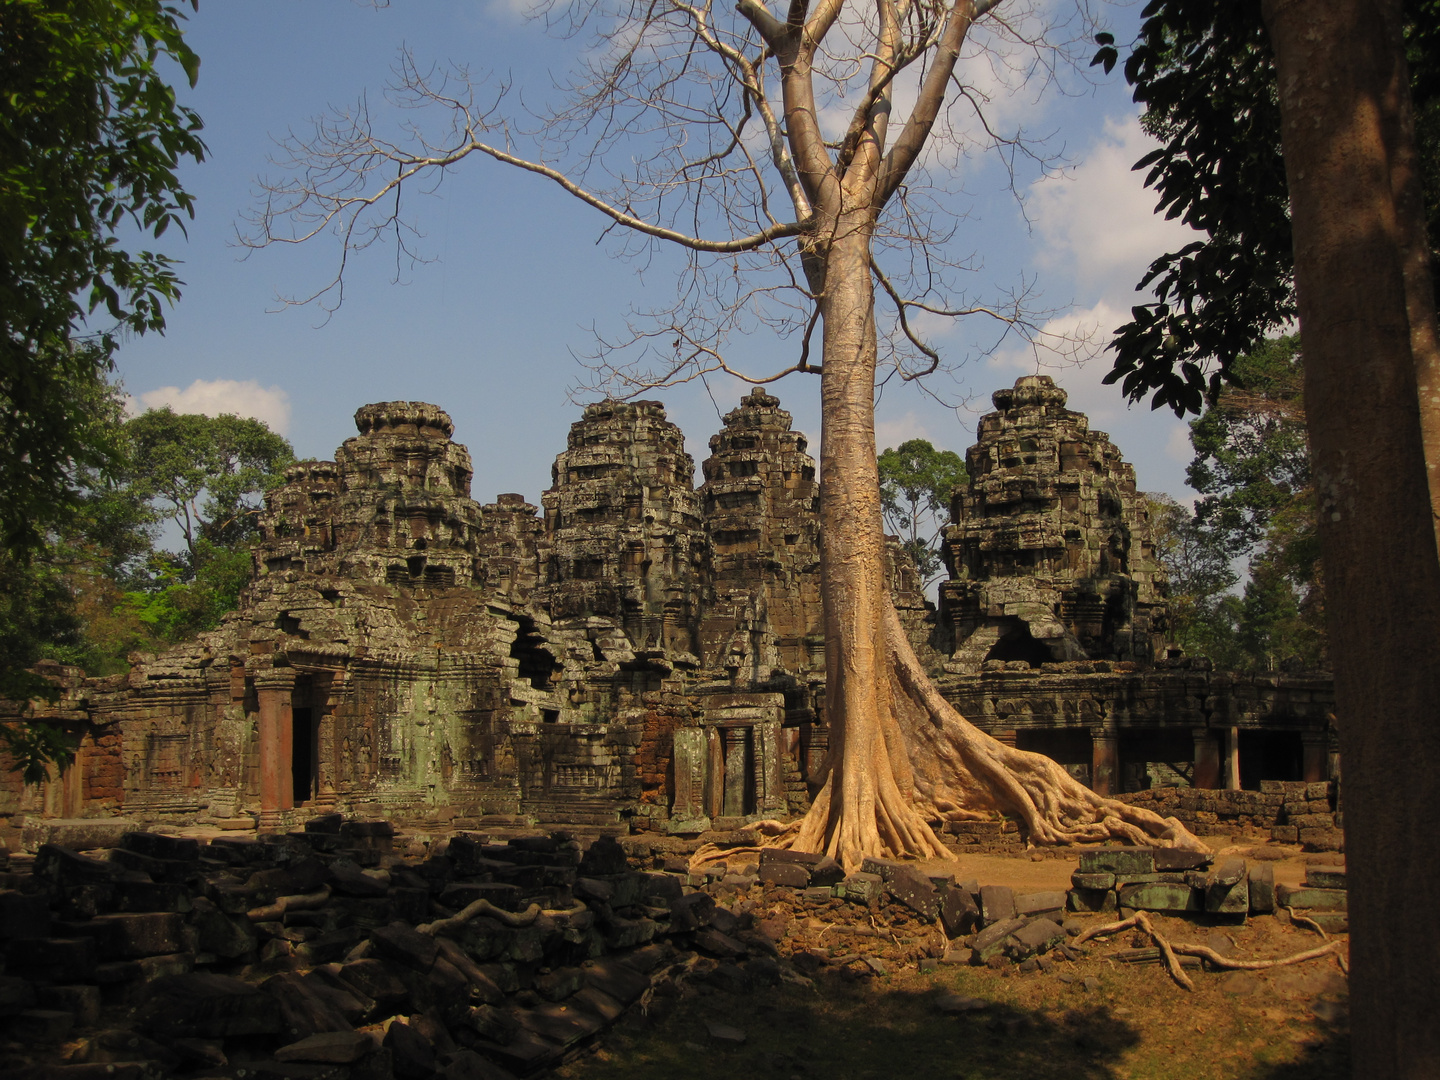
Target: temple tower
1051 553
759 505
623 525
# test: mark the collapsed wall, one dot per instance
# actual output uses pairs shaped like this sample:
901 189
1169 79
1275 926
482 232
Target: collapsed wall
647 652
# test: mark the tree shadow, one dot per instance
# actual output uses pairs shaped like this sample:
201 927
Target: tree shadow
848 1031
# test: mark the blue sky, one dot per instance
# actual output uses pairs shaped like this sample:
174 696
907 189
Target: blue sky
490 328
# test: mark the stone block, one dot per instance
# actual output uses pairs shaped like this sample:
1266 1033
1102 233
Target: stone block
1092 900
130 936
1322 839
82 1002
1035 937
77 834
1325 877
692 912
997 903
1160 896
1092 881
146 896
863 888
206 1006
1262 889
991 941
304 1008
23 915
792 875
1311 899
1285 834
787 855
913 889
1117 861
1221 899
52 960
827 872
160 846
883 868
1178 859
1318 790
959 913
329 1048
1040 903
404 945
411 1053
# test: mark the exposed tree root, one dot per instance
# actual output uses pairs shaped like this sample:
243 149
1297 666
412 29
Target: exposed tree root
959 771
925 765
1168 949
484 907
1309 924
298 902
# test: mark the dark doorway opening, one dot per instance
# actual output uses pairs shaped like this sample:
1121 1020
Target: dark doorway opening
303 757
1068 747
1019 644
1156 757
1270 755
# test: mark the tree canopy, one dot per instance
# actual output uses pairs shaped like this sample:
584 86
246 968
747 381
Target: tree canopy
91 139
916 482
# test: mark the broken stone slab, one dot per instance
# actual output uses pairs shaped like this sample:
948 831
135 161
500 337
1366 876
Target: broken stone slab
862 888
1039 903
1228 873
52 960
329 1048
997 903
206 1006
791 875
1091 900
1117 861
1311 899
1262 889
1159 896
915 891
77 834
1233 899
958 911
617 979
304 1008
990 941
160 846
884 868
1036 936
405 945
1325 877
1092 881
1178 859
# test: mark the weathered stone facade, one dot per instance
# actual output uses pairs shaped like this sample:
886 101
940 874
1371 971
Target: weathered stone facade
648 651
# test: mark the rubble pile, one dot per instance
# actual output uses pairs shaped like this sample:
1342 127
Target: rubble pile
1290 811
324 952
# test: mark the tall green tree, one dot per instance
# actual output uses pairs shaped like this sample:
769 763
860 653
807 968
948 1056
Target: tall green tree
916 482
91 140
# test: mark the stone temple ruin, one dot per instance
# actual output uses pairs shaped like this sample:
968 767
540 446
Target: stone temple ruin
641 651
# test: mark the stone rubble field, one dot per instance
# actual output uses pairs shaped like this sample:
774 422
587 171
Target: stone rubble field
346 951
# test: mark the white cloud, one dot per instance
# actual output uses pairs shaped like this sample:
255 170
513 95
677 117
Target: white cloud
891 433
1179 447
215 397
1099 220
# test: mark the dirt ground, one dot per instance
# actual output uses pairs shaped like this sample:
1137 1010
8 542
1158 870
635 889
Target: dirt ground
1091 1019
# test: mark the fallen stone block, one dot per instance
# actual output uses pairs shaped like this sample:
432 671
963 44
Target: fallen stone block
959 913
1039 903
997 903
1262 889
1117 861
990 941
160 846
304 1008
1035 937
863 888
132 935
1160 896
1311 899
788 874
77 834
330 1047
1092 900
207 1006
405 945
411 1053
915 891
1092 881
1325 877
1178 859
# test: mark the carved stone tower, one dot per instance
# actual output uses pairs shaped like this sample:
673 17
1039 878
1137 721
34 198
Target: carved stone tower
1051 553
393 507
626 541
759 504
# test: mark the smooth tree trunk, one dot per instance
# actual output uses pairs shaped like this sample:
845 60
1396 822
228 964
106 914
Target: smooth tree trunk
1336 64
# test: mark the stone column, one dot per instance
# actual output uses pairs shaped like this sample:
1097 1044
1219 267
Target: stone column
1314 754
1232 759
770 769
715 774
1104 761
273 688
688 763
1207 759
736 770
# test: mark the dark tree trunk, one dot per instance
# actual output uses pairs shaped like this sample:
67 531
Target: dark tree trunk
1335 63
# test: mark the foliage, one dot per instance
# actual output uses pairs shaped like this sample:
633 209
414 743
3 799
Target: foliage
230 461
91 138
1204 74
916 481
1252 467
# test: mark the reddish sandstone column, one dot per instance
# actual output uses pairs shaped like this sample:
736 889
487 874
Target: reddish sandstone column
273 688
1104 761
1207 759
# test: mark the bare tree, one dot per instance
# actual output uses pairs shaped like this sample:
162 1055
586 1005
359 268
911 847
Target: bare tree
801 163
